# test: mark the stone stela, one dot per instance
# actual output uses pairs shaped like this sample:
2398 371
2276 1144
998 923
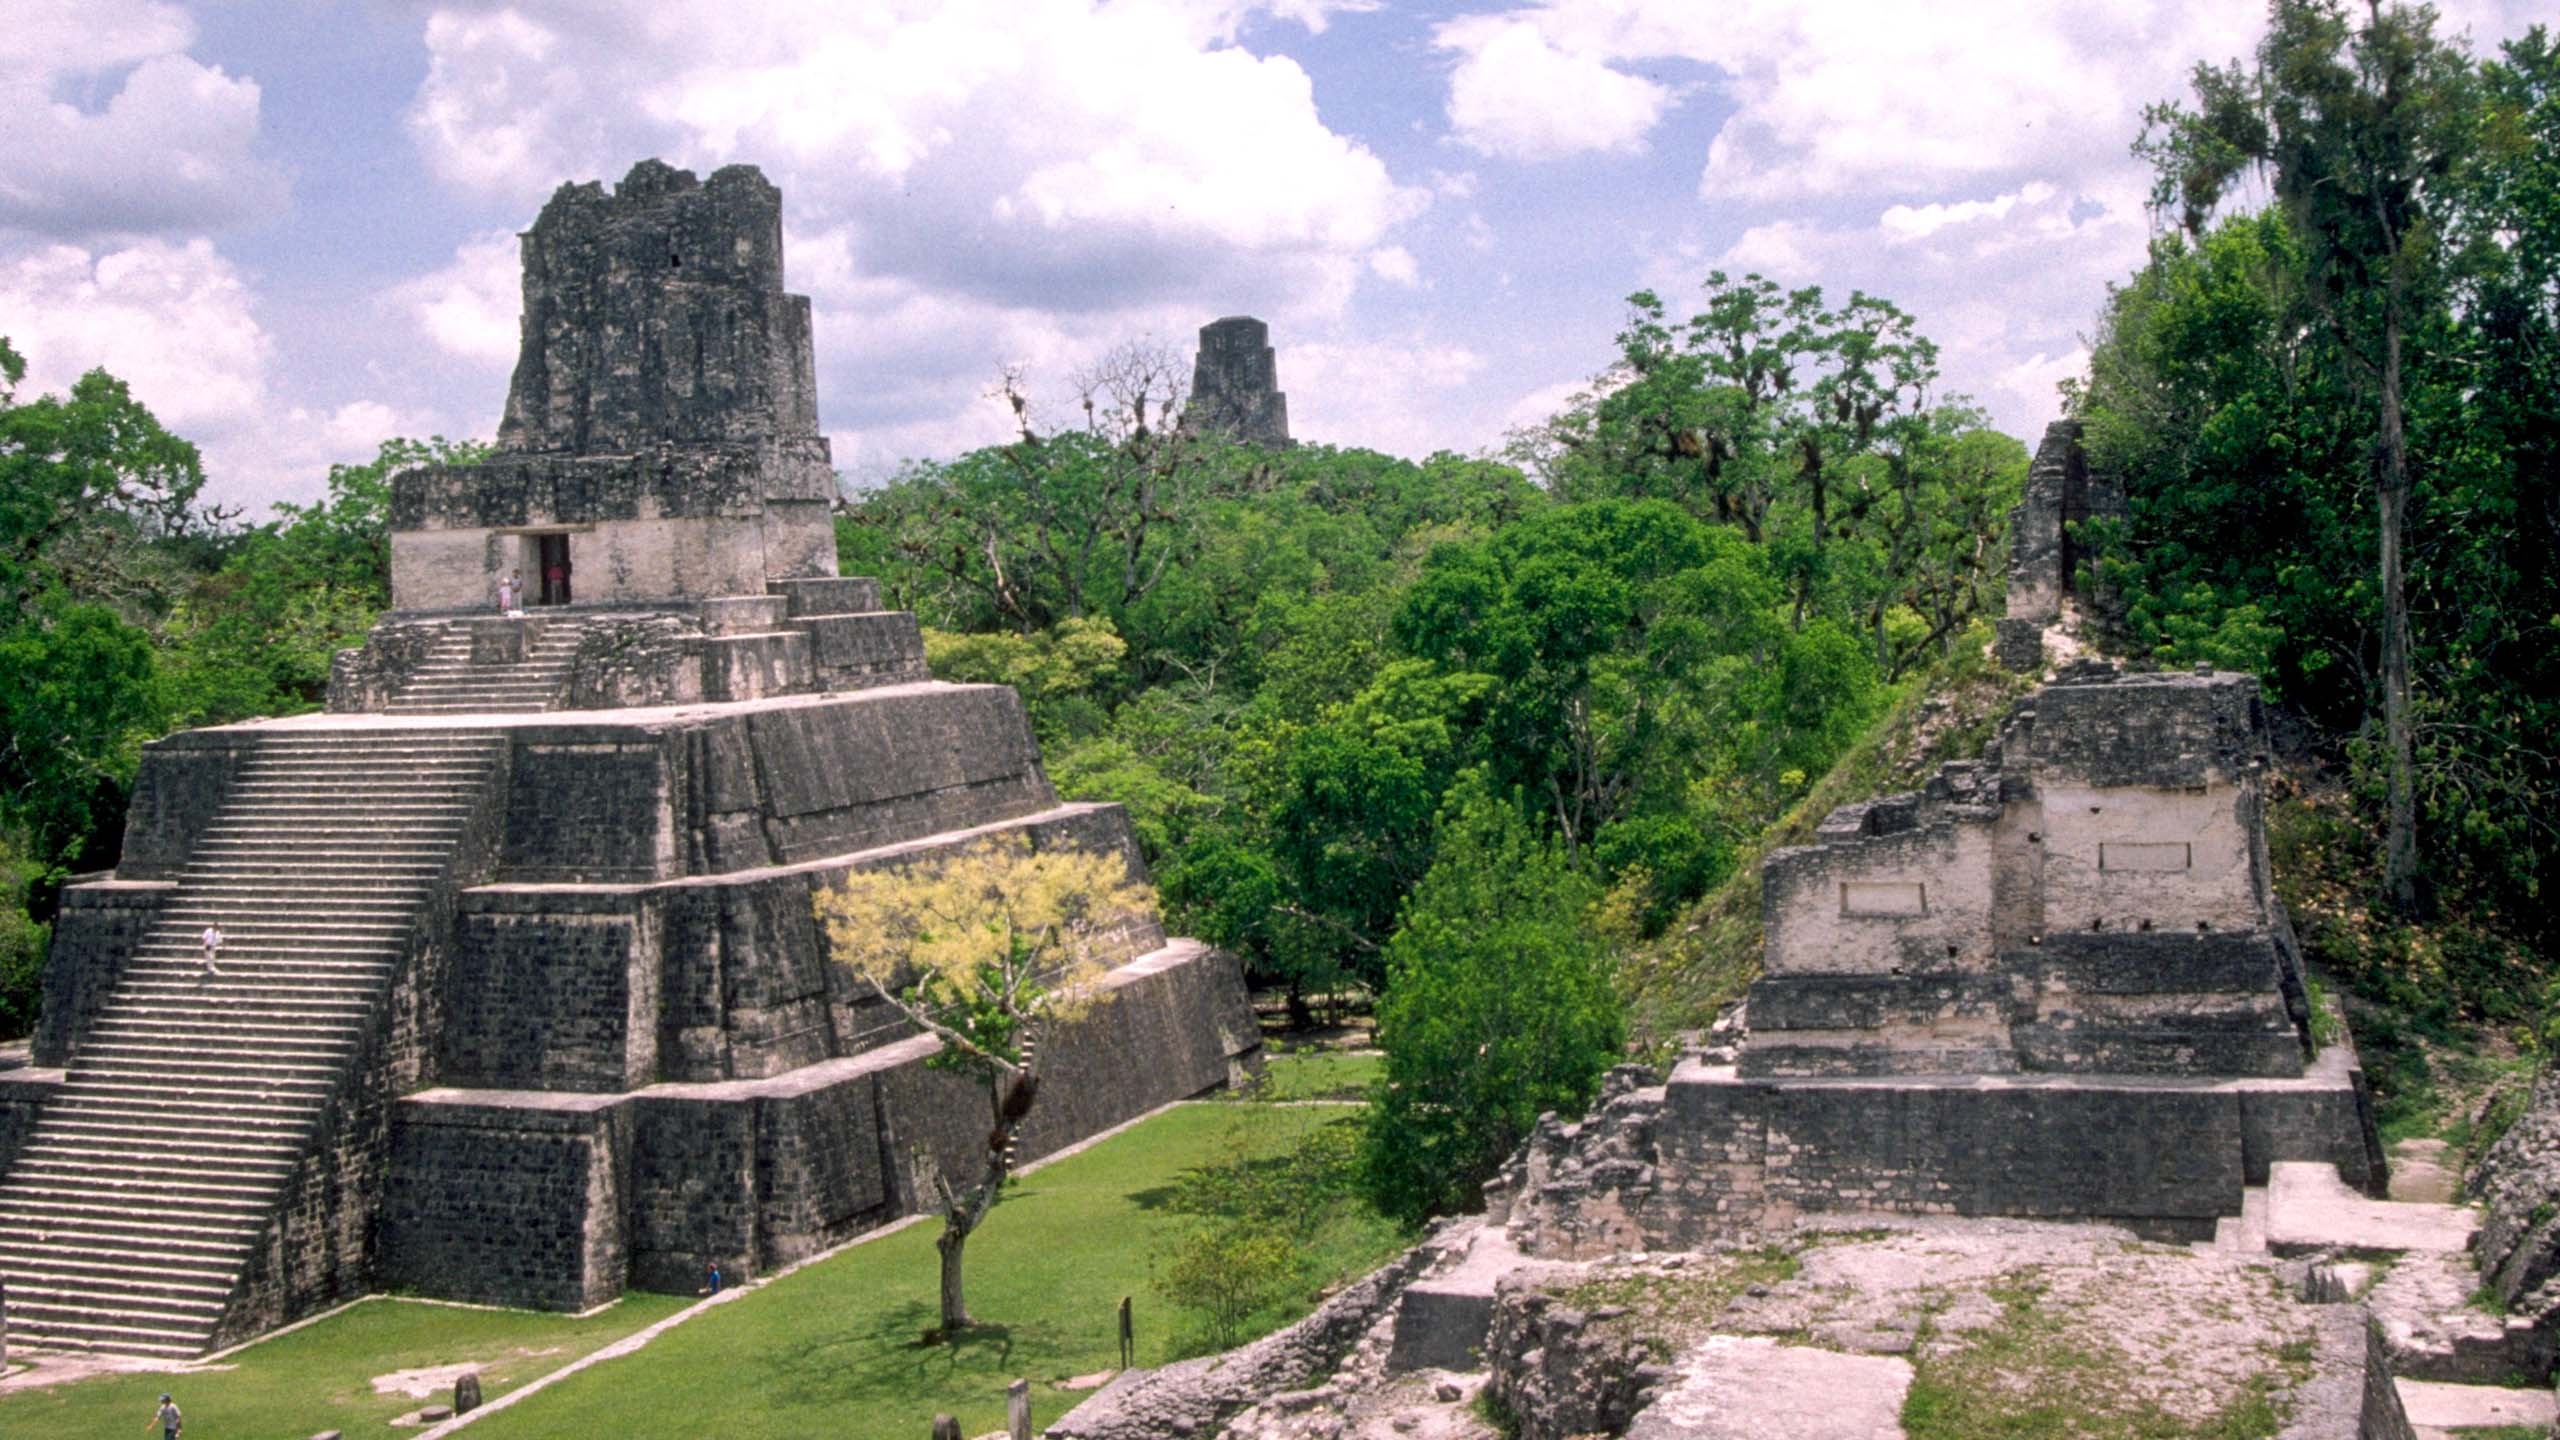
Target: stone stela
523 1000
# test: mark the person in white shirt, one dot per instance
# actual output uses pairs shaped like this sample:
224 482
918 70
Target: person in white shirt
212 938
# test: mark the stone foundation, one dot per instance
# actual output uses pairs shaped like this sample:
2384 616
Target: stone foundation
1714 1153
558 1200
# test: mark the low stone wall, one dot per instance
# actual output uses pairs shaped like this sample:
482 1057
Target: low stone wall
1192 1397
24 1091
647 1187
1561 1372
853 652
2518 1245
1711 1153
365 678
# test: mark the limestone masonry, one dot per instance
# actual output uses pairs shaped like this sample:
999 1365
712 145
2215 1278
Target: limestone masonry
2053 984
661 433
521 998
1235 385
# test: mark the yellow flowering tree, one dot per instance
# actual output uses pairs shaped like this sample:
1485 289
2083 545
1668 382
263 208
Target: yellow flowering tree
989 949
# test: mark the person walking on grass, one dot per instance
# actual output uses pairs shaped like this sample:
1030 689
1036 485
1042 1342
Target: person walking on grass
212 938
168 1419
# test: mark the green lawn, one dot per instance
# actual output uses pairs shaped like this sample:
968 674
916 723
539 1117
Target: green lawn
827 1351
832 1350
1318 1075
320 1377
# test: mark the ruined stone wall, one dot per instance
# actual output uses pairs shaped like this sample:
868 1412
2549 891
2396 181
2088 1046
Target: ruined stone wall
2091 897
1235 385
2049 558
656 312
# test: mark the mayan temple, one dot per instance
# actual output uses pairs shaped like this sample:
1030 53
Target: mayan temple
2055 983
1235 385
521 999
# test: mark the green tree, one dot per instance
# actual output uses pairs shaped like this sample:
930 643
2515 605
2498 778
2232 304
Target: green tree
2361 125
95 497
1499 1008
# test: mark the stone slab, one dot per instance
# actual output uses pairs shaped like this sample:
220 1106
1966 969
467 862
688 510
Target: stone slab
2310 1208
1442 1320
1753 1388
2436 1406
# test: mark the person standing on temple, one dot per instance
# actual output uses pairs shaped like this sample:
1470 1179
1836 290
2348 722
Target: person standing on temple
506 595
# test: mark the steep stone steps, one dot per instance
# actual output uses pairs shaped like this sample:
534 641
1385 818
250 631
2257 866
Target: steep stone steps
154 1174
449 682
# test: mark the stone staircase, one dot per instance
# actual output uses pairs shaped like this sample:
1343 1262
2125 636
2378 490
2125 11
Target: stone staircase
155 1173
451 682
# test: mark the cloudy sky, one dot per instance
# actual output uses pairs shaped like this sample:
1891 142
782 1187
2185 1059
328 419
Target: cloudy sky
291 223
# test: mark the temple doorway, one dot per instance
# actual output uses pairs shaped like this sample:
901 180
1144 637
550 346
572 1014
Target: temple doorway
551 569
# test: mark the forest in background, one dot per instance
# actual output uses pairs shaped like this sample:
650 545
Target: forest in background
1474 740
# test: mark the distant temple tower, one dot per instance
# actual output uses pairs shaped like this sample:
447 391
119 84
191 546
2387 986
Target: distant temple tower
1235 387
661 434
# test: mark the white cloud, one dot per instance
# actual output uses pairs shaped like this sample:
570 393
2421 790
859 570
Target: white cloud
471 307
1395 265
179 325
967 183
1516 93
172 149
172 321
1542 404
1389 395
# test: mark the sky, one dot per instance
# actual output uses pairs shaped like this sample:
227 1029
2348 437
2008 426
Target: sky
290 224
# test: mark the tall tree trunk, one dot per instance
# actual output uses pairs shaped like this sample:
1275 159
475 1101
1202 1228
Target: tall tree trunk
2391 493
963 1211
952 1242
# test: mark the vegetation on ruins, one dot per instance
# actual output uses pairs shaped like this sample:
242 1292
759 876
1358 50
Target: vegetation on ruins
988 950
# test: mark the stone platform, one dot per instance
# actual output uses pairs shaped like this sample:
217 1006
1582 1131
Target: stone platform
608 1048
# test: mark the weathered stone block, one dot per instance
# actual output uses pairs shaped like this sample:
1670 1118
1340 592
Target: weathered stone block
828 595
509 1200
